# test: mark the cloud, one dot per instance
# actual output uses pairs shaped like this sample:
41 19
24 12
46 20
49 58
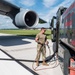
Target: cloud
6 22
53 10
66 3
48 3
49 14
27 2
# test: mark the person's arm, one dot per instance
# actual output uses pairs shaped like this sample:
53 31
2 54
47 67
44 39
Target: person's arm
36 39
46 42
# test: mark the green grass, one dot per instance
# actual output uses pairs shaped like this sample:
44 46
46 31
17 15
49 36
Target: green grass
31 33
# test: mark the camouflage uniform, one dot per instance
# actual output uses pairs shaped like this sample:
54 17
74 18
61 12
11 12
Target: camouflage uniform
41 48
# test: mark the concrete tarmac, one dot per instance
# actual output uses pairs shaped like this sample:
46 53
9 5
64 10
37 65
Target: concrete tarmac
17 54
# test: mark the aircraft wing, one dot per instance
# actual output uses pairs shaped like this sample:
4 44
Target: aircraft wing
21 18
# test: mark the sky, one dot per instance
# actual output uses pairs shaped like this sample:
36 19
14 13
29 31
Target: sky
45 9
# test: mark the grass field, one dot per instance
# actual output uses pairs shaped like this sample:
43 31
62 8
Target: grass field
31 33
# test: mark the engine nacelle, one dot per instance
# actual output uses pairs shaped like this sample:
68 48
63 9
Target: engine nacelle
26 19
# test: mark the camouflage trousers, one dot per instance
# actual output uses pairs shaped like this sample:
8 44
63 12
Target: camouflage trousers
41 49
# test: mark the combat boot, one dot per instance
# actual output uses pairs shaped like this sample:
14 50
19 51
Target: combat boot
44 63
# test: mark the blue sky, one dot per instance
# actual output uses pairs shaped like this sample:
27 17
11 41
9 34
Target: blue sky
44 8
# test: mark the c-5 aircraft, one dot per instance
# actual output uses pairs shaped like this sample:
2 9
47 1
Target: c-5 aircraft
21 18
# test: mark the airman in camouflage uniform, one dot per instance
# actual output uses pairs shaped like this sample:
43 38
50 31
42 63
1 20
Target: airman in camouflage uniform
41 40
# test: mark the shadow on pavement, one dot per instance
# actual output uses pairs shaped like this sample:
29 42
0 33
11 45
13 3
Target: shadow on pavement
14 40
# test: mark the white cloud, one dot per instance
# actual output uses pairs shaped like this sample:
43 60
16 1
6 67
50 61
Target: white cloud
28 2
66 3
52 11
6 22
49 14
48 3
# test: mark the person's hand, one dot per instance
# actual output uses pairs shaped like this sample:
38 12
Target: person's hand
47 43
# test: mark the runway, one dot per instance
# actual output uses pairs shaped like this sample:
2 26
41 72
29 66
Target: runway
15 50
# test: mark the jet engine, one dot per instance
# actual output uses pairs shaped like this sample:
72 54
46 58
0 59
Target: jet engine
26 19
